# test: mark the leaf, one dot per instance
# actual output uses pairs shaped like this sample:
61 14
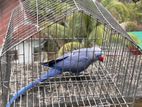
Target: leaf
77 25
97 35
131 26
55 30
106 2
69 47
139 17
118 10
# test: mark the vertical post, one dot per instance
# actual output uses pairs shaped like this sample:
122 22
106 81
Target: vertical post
1 82
37 13
6 79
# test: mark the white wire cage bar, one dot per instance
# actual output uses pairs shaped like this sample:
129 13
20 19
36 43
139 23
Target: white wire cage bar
36 33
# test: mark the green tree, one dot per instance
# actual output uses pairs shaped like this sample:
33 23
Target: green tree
81 27
125 12
117 9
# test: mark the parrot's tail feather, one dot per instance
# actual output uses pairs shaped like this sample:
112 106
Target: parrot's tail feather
47 75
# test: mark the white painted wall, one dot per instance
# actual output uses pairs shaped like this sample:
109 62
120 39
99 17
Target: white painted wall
26 51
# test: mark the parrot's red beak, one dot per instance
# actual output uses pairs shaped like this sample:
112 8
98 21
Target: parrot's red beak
102 58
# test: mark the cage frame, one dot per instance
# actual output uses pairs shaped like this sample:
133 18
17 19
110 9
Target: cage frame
80 9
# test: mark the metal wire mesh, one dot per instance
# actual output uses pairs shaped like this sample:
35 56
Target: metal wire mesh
39 31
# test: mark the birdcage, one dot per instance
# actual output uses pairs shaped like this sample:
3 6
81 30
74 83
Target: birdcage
41 31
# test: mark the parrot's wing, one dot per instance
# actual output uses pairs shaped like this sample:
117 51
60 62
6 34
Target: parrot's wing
52 62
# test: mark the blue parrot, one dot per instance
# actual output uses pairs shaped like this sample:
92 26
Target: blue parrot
75 62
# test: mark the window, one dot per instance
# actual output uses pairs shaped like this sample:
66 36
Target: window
14 55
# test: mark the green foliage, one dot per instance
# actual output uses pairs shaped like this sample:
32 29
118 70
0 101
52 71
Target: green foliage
118 10
106 2
69 47
135 11
139 17
97 35
131 26
46 7
124 11
56 30
77 25
132 10
138 12
80 25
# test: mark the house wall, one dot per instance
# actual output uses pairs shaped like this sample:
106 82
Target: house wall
26 52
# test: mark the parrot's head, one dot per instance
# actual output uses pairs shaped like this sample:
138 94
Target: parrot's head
98 54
